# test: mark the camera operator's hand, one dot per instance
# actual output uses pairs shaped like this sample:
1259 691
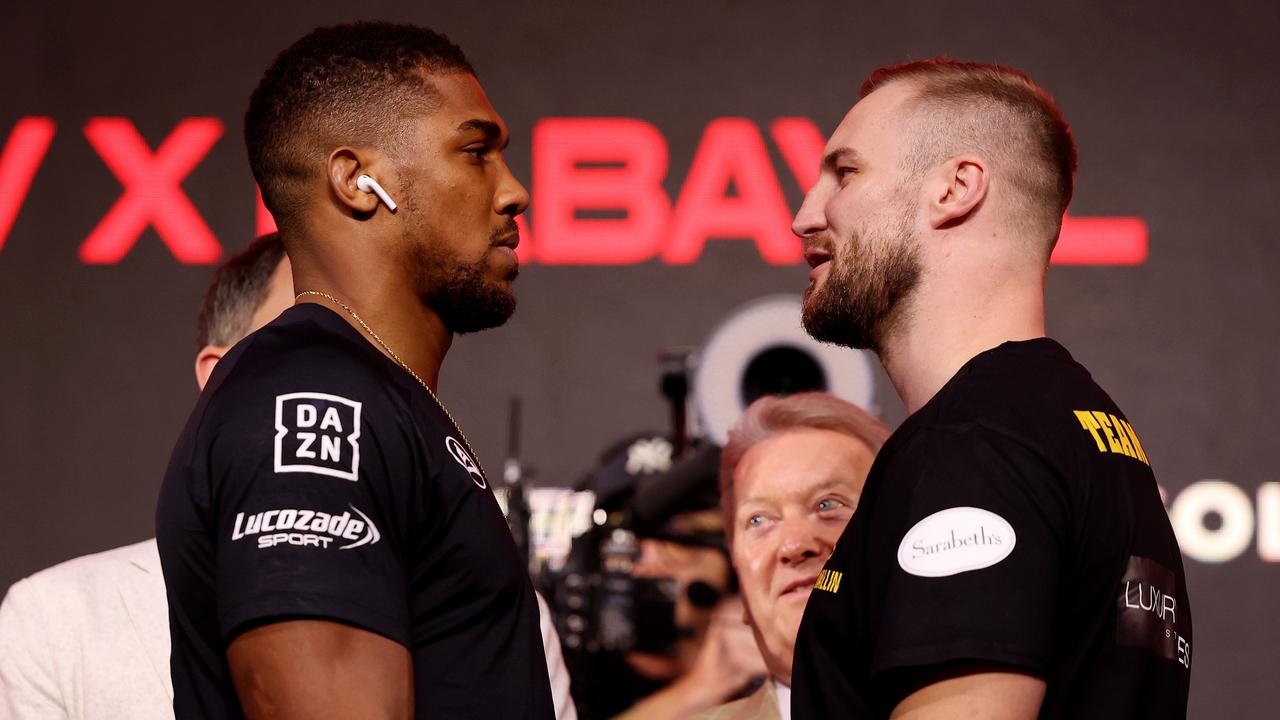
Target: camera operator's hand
727 661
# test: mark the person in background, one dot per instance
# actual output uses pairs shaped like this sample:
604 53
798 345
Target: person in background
669 508
790 478
88 638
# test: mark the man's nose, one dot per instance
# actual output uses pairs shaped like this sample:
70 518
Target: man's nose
512 197
811 217
798 544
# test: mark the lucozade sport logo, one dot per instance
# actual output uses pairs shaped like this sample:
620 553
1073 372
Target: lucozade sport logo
598 192
306 528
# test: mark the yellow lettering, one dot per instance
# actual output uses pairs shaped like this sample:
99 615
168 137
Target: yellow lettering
1126 447
1106 428
1137 445
1088 423
828 580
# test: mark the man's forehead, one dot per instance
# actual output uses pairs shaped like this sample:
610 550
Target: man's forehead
775 474
871 125
464 106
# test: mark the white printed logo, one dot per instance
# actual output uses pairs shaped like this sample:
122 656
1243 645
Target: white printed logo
306 528
464 459
318 433
956 540
649 455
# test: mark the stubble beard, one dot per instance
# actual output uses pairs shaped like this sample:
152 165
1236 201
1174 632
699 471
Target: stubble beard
464 295
864 296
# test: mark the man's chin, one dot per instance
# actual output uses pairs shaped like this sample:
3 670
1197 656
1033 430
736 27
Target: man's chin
481 311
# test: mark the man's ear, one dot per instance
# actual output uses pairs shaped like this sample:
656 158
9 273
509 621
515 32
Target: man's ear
346 165
956 189
208 356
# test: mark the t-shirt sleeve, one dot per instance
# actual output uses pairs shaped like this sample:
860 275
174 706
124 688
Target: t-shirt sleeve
310 484
965 562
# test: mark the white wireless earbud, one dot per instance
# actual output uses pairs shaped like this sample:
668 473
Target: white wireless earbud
369 185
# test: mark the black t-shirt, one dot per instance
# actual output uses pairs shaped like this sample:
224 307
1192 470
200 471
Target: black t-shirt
1013 520
317 479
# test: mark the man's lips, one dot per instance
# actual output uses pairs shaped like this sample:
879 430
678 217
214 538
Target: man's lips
803 583
816 256
511 241
819 260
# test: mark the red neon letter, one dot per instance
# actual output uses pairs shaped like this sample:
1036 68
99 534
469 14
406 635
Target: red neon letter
263 222
732 151
1101 241
153 193
801 145
598 164
22 156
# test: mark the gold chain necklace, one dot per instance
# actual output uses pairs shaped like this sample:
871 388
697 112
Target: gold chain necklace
402 364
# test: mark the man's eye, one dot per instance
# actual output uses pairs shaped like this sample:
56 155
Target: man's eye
755 520
478 152
843 172
829 504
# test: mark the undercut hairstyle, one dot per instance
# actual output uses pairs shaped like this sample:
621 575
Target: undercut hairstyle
341 85
999 114
773 415
238 289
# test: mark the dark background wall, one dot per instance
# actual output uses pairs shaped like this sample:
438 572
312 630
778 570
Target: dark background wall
1174 107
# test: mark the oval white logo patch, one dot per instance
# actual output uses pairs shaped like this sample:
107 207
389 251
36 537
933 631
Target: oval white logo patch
956 540
464 459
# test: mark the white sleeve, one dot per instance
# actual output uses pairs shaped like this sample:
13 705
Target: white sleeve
29 687
556 670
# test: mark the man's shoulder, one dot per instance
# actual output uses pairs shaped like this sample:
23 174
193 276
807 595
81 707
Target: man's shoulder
1022 393
96 567
308 340
306 352
1020 376
58 590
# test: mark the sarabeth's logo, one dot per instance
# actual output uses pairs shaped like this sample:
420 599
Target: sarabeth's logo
464 459
956 540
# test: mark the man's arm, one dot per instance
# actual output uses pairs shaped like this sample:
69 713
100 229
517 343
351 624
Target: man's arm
728 659
979 693
318 669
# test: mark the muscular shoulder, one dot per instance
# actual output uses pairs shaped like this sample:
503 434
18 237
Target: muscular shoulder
1020 395
306 356
306 345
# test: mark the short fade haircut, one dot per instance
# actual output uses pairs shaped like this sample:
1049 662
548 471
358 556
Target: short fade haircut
345 84
238 289
773 415
999 113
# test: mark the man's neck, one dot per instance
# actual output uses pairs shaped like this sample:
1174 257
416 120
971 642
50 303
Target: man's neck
947 325
398 324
